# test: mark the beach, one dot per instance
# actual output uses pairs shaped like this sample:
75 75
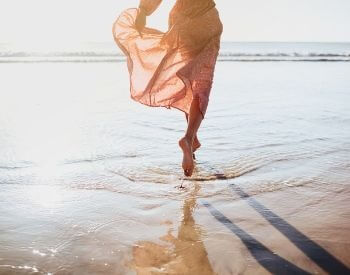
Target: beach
90 180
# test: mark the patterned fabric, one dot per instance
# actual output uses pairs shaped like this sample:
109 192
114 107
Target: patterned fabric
170 69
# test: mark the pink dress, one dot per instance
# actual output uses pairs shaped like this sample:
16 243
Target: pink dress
170 69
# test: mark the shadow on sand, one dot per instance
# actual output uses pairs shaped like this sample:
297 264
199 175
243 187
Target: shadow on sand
272 262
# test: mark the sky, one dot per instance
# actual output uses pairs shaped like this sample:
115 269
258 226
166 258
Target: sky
70 21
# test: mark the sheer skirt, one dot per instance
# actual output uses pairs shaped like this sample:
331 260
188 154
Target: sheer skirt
170 69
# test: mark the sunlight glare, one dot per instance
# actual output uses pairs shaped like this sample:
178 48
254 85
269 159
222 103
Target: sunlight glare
45 196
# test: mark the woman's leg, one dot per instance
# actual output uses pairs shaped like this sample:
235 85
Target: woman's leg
194 121
196 144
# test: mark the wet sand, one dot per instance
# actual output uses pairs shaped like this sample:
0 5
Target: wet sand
90 180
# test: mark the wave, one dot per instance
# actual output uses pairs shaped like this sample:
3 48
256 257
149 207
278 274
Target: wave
59 54
279 54
96 56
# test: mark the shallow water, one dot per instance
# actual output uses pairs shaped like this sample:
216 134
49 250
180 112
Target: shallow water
89 179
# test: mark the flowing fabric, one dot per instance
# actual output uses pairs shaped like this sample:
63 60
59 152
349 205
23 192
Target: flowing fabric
170 69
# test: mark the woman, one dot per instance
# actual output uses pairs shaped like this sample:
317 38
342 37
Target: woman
176 68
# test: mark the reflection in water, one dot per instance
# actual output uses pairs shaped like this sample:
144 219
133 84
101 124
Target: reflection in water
184 254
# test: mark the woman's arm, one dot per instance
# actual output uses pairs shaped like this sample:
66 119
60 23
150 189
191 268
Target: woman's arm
146 8
149 6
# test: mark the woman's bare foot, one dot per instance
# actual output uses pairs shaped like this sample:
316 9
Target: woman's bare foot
196 144
187 162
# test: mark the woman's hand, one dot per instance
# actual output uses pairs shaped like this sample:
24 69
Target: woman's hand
140 21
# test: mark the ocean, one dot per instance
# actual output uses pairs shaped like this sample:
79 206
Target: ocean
230 51
90 180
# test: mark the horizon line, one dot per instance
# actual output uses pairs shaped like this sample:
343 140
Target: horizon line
227 41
